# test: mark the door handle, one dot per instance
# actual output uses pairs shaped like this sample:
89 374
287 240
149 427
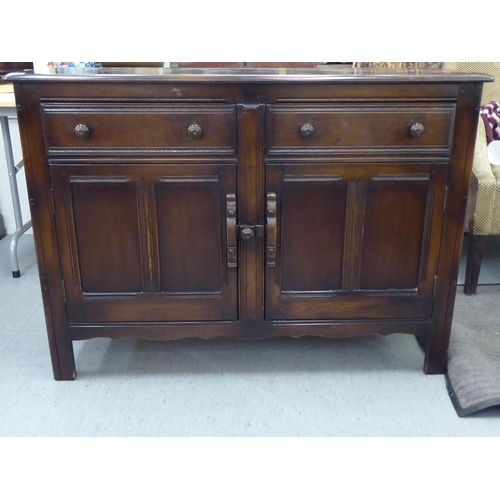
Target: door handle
271 230
231 231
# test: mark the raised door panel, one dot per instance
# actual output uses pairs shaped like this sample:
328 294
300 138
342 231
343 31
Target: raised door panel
353 241
312 233
190 232
109 251
393 232
145 244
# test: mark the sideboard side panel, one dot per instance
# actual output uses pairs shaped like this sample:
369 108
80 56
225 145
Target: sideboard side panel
452 234
47 251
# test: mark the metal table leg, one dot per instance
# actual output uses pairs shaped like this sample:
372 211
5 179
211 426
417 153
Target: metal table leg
13 170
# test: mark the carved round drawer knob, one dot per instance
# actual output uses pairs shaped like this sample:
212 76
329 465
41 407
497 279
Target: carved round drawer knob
306 131
194 130
417 130
82 131
247 233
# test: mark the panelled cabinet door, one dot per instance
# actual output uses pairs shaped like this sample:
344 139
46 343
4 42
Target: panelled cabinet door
352 240
146 244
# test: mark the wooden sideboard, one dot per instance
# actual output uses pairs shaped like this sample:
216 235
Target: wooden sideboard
250 203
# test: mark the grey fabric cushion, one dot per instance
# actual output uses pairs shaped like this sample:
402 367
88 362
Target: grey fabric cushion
473 377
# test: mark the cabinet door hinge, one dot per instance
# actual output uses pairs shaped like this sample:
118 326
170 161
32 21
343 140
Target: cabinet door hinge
435 286
64 291
445 199
53 201
231 230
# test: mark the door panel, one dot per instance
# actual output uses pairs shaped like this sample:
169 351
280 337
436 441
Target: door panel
189 226
105 247
393 233
145 244
312 236
354 240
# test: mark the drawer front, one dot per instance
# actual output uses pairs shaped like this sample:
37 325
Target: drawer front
189 128
330 128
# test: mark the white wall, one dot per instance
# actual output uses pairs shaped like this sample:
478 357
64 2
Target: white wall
6 208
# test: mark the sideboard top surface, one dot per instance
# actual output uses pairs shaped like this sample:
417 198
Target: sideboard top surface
321 74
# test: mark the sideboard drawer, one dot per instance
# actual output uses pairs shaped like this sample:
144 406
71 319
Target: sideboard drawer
326 128
196 128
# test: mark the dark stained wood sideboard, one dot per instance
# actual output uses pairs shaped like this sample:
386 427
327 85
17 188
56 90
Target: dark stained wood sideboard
174 203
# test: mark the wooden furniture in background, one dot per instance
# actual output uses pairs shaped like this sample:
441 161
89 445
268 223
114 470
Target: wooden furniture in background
243 64
248 203
8 67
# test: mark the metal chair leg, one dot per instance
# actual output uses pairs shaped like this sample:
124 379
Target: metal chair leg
13 169
16 273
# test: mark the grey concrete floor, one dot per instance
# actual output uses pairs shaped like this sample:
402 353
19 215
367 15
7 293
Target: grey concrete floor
367 386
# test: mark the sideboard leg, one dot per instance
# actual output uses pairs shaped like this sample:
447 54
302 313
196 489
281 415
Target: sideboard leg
63 359
436 355
422 342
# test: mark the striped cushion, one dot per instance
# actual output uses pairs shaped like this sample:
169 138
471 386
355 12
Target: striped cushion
487 210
